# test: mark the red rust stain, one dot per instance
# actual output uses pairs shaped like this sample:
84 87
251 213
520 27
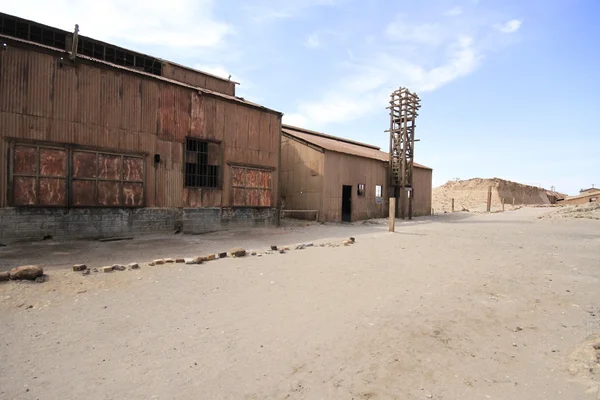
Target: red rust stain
253 197
84 193
53 192
239 197
238 176
133 194
25 160
109 166
53 162
253 176
265 198
265 179
109 193
133 169
84 164
25 191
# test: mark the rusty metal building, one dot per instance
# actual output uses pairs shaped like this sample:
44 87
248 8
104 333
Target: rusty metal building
339 180
108 141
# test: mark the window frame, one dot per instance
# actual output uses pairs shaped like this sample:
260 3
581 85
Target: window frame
361 192
379 188
219 185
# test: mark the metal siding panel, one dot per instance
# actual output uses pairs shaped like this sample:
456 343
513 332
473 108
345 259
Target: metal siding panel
53 192
84 164
53 162
109 193
197 116
24 191
110 90
109 166
25 160
89 95
133 194
131 113
40 87
209 111
133 169
65 94
14 64
83 193
166 112
181 127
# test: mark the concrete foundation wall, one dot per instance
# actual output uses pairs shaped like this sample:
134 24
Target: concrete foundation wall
91 223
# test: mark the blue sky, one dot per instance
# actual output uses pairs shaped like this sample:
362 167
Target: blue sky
509 89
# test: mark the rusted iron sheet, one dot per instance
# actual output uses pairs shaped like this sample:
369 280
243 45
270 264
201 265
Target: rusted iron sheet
109 193
214 153
133 194
197 116
25 160
133 169
109 166
53 192
53 162
252 178
83 193
182 105
253 197
238 176
84 164
166 113
265 179
239 197
265 198
24 191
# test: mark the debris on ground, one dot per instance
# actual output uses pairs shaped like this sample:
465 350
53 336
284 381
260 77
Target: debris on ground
237 252
133 266
26 272
106 269
4 276
79 267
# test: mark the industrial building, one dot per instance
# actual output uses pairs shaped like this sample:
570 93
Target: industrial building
97 140
338 180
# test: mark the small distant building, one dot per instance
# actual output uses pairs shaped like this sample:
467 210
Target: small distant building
589 191
340 180
586 197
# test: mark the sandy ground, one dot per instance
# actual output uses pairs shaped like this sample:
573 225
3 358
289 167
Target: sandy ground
459 306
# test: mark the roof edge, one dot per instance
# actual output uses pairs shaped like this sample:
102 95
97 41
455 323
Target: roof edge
324 135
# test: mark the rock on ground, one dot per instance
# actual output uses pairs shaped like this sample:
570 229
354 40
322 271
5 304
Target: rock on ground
27 272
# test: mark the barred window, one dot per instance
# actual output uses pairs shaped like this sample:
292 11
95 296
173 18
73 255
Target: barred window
360 189
202 163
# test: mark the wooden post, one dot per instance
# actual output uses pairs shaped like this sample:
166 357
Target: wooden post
453 204
489 199
392 218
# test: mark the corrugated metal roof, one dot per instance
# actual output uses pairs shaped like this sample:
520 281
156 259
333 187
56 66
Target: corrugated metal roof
10 39
340 145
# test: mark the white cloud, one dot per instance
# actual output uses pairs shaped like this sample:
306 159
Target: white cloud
176 24
401 30
295 119
313 41
454 11
267 10
217 70
509 27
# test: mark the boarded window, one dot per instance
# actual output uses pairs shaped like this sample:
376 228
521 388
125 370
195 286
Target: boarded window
360 189
107 180
202 163
41 176
251 186
378 191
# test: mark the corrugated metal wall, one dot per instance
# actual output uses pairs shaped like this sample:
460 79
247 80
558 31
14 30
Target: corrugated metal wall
101 107
197 78
422 183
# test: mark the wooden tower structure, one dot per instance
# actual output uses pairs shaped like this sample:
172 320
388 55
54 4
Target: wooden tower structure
404 107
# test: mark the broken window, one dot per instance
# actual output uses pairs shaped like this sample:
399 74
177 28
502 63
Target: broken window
360 189
202 163
378 191
251 186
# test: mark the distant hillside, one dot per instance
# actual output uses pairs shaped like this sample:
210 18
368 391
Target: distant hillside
471 195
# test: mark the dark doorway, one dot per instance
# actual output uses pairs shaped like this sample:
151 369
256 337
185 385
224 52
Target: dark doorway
346 203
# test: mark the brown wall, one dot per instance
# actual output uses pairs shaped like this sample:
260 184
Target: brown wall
584 199
301 175
197 78
344 169
422 182
98 106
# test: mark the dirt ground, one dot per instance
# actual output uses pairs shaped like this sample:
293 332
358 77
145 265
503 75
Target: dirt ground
456 306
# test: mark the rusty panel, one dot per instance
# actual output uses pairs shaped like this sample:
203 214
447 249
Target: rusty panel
65 94
181 127
197 116
14 80
40 91
210 111
265 179
241 136
219 120
84 164
239 196
83 193
253 132
111 97
238 176
265 198
166 111
109 193
149 93
24 191
253 197
133 194
131 103
109 166
53 192
53 162
89 100
133 169
25 160
253 178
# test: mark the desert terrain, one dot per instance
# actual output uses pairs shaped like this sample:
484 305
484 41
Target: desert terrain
453 306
